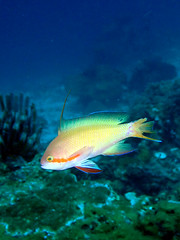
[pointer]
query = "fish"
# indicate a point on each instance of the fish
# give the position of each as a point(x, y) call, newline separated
point(99, 133)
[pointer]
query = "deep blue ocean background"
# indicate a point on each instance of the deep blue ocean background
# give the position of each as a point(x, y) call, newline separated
point(47, 46)
point(41, 41)
point(114, 55)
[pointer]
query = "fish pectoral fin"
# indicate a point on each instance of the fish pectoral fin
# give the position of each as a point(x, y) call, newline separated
point(119, 148)
point(82, 153)
point(88, 166)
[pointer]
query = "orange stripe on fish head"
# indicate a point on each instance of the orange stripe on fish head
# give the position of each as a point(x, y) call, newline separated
point(61, 160)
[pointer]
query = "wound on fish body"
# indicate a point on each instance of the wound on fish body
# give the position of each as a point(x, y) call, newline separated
point(100, 133)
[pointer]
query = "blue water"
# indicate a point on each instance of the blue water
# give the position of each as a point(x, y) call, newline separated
point(42, 40)
point(114, 55)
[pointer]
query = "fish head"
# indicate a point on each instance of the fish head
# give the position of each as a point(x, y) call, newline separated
point(48, 161)
point(53, 157)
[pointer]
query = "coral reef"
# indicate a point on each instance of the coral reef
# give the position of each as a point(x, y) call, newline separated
point(19, 130)
point(162, 221)
point(161, 102)
point(54, 205)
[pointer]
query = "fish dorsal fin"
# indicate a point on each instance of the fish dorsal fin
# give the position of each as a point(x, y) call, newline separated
point(61, 117)
point(97, 118)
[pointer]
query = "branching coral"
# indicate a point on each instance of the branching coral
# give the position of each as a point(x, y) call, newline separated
point(19, 129)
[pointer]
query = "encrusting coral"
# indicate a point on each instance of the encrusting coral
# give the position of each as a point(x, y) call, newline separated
point(19, 129)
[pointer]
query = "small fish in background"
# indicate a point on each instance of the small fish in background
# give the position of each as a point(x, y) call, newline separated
point(100, 133)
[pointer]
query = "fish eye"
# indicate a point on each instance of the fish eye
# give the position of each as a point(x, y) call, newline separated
point(49, 158)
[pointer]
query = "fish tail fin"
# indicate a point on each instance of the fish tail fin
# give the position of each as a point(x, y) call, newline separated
point(140, 127)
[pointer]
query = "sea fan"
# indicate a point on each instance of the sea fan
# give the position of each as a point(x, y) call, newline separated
point(19, 128)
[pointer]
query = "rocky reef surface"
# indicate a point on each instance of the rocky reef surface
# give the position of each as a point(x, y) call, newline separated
point(37, 204)
point(137, 196)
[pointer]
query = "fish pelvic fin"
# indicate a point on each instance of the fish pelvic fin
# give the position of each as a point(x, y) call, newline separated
point(89, 170)
point(88, 166)
point(140, 127)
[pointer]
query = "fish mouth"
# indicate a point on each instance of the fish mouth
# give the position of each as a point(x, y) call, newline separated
point(43, 166)
point(46, 166)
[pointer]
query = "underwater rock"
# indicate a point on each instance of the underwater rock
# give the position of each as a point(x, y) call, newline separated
point(161, 102)
point(149, 71)
point(19, 130)
point(143, 181)
point(98, 87)
point(162, 222)
point(131, 196)
point(155, 168)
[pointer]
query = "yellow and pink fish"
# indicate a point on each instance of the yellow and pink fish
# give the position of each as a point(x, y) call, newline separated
point(101, 133)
